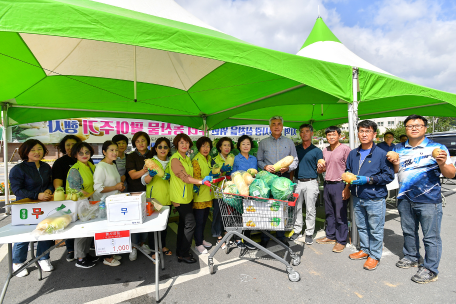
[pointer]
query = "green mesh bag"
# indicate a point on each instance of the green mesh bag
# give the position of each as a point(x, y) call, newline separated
point(282, 188)
point(232, 200)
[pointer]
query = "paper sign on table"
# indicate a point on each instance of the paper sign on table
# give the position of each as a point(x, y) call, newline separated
point(114, 242)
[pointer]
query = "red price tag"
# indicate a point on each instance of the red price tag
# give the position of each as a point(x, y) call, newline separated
point(113, 242)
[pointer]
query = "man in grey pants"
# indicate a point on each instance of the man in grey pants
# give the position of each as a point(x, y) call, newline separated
point(307, 188)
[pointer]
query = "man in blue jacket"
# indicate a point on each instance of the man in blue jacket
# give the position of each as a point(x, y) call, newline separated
point(373, 172)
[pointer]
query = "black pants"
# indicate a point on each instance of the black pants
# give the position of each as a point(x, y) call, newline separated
point(163, 233)
point(336, 213)
point(201, 216)
point(185, 230)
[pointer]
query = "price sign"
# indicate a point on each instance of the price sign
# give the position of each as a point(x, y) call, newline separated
point(114, 242)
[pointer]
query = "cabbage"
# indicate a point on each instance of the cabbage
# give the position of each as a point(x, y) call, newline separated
point(262, 174)
point(232, 200)
point(282, 188)
point(259, 188)
point(267, 177)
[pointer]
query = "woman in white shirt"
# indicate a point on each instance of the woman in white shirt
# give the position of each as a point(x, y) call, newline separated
point(106, 180)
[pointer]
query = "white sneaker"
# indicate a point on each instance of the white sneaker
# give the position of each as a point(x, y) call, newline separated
point(46, 265)
point(117, 257)
point(207, 244)
point(146, 249)
point(201, 249)
point(21, 274)
point(113, 262)
point(133, 254)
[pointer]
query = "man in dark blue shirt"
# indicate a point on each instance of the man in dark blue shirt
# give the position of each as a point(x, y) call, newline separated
point(307, 188)
point(387, 143)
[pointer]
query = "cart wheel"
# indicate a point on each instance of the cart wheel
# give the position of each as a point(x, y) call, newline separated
point(296, 260)
point(294, 276)
point(211, 268)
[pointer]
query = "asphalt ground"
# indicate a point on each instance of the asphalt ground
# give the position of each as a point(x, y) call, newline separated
point(248, 277)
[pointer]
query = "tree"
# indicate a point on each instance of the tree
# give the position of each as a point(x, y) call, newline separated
point(441, 124)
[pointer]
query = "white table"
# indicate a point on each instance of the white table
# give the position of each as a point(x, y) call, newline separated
point(155, 223)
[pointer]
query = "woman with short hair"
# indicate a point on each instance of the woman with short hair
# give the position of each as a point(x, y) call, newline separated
point(181, 195)
point(32, 179)
point(121, 161)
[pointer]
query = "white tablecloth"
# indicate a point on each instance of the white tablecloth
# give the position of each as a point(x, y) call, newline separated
point(15, 234)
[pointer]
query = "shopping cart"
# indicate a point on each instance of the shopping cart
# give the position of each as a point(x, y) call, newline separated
point(255, 213)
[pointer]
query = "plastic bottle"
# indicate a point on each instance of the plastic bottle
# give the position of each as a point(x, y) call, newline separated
point(102, 208)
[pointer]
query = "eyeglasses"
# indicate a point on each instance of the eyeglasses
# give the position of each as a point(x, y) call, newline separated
point(163, 147)
point(365, 132)
point(410, 127)
point(82, 153)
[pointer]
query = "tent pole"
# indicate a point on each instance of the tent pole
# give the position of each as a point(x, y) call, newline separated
point(134, 67)
point(352, 126)
point(5, 154)
point(205, 125)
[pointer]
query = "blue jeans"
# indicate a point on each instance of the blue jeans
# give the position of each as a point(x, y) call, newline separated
point(370, 220)
point(20, 251)
point(430, 217)
point(138, 238)
point(69, 243)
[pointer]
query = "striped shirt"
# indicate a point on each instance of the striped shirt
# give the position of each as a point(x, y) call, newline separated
point(271, 150)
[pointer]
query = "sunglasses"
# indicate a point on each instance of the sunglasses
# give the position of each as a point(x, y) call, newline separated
point(82, 153)
point(163, 147)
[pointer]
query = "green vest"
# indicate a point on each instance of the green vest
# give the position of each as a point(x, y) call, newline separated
point(219, 160)
point(86, 175)
point(158, 188)
point(205, 193)
point(181, 192)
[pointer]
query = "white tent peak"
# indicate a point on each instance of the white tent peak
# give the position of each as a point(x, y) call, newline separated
point(167, 9)
point(322, 44)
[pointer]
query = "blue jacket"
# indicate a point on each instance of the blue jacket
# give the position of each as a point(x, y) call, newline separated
point(27, 182)
point(376, 166)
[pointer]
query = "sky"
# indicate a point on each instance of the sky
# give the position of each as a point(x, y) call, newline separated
point(412, 39)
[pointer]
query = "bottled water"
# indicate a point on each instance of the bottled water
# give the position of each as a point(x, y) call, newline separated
point(102, 208)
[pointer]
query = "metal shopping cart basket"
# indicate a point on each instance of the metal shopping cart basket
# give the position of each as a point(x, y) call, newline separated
point(255, 213)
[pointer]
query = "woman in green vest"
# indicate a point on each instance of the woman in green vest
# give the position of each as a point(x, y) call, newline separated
point(202, 200)
point(181, 195)
point(158, 187)
point(80, 178)
point(224, 147)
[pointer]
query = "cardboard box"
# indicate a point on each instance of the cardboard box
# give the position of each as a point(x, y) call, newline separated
point(265, 215)
point(29, 212)
point(126, 209)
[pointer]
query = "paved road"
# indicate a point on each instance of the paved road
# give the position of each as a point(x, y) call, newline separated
point(249, 278)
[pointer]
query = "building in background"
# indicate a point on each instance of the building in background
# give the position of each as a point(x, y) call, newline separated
point(382, 123)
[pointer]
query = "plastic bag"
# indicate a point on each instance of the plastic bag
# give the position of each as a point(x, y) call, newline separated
point(282, 188)
point(54, 223)
point(87, 211)
point(262, 174)
point(233, 200)
point(258, 188)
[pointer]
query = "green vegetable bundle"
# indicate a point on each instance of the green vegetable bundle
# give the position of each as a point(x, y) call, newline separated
point(267, 177)
point(282, 188)
point(259, 188)
point(232, 200)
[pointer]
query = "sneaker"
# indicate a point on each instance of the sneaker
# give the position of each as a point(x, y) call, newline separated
point(406, 263)
point(133, 254)
point(309, 240)
point(113, 262)
point(207, 244)
point(21, 274)
point(70, 257)
point(84, 263)
point(249, 246)
point(223, 245)
point(117, 257)
point(146, 249)
point(424, 276)
point(240, 244)
point(46, 265)
point(201, 250)
point(92, 258)
point(295, 236)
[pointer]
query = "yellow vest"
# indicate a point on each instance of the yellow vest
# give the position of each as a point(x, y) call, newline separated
point(158, 188)
point(86, 175)
point(219, 160)
point(181, 192)
point(205, 192)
